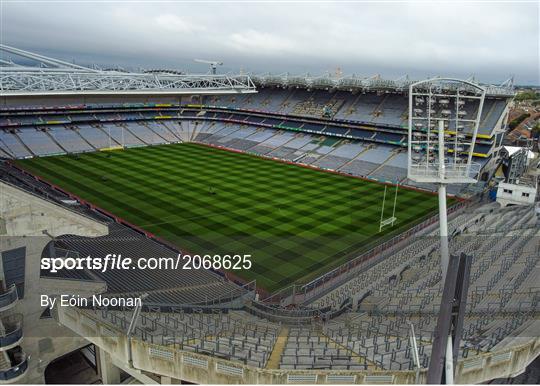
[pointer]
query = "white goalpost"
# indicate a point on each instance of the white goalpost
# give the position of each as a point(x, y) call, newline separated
point(390, 220)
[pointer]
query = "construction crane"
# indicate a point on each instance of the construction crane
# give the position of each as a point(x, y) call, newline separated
point(213, 64)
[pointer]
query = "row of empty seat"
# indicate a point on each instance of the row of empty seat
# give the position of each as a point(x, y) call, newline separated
point(26, 142)
point(374, 108)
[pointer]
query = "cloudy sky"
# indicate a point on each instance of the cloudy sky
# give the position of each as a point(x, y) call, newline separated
point(491, 40)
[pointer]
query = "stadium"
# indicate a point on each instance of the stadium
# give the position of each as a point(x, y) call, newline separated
point(296, 247)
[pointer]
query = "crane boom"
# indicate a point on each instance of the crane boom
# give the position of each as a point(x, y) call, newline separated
point(213, 64)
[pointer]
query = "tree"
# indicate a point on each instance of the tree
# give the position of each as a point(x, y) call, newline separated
point(536, 130)
point(516, 121)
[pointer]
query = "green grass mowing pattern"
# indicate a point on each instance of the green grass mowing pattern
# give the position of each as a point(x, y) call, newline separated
point(295, 222)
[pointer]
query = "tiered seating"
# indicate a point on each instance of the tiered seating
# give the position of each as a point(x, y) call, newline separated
point(491, 267)
point(309, 349)
point(168, 286)
point(394, 170)
point(491, 112)
point(314, 104)
point(360, 108)
point(144, 133)
point(162, 129)
point(283, 152)
point(367, 161)
point(122, 136)
point(12, 145)
point(392, 110)
point(70, 139)
point(371, 107)
point(39, 142)
point(331, 162)
point(97, 137)
point(280, 138)
point(406, 287)
point(235, 335)
point(349, 150)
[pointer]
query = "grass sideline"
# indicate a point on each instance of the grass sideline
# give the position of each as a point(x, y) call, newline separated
point(294, 221)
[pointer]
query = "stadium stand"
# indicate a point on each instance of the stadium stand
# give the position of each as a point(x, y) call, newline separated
point(69, 139)
point(163, 130)
point(362, 138)
point(39, 142)
point(379, 303)
point(96, 136)
point(13, 145)
point(359, 322)
point(144, 134)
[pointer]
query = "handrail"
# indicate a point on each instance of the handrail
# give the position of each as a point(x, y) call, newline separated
point(16, 370)
point(310, 290)
point(13, 330)
point(9, 297)
point(11, 323)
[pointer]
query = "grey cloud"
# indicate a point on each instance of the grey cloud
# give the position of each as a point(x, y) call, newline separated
point(490, 40)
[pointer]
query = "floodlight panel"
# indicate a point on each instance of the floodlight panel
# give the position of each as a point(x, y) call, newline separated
point(444, 115)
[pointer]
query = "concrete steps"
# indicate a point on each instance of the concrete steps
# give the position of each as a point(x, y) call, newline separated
point(23, 144)
point(5, 363)
point(279, 348)
point(133, 134)
point(393, 155)
point(56, 142)
point(76, 130)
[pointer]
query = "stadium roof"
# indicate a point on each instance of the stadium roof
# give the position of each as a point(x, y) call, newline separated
point(56, 77)
point(358, 83)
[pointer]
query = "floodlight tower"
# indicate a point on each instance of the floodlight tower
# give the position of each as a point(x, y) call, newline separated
point(444, 115)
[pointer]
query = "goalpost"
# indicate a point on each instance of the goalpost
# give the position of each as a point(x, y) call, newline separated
point(112, 147)
point(390, 220)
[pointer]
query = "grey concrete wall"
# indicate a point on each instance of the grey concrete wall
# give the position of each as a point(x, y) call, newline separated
point(173, 363)
point(27, 217)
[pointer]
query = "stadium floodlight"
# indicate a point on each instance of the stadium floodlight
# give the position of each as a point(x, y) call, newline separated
point(444, 115)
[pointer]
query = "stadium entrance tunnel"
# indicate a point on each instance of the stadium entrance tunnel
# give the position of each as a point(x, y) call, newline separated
point(74, 367)
point(78, 367)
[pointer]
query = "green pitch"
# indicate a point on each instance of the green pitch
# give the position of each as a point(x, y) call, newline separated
point(295, 222)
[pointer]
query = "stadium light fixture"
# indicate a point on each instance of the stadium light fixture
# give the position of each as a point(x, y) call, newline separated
point(444, 115)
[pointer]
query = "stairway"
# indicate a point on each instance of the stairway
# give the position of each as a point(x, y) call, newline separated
point(142, 123)
point(5, 363)
point(6, 152)
point(383, 163)
point(357, 356)
point(24, 144)
point(55, 141)
point(76, 130)
point(279, 348)
point(356, 157)
point(133, 134)
point(378, 109)
point(106, 132)
point(175, 132)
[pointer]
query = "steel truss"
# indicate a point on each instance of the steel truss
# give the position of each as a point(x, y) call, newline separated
point(55, 77)
point(354, 83)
